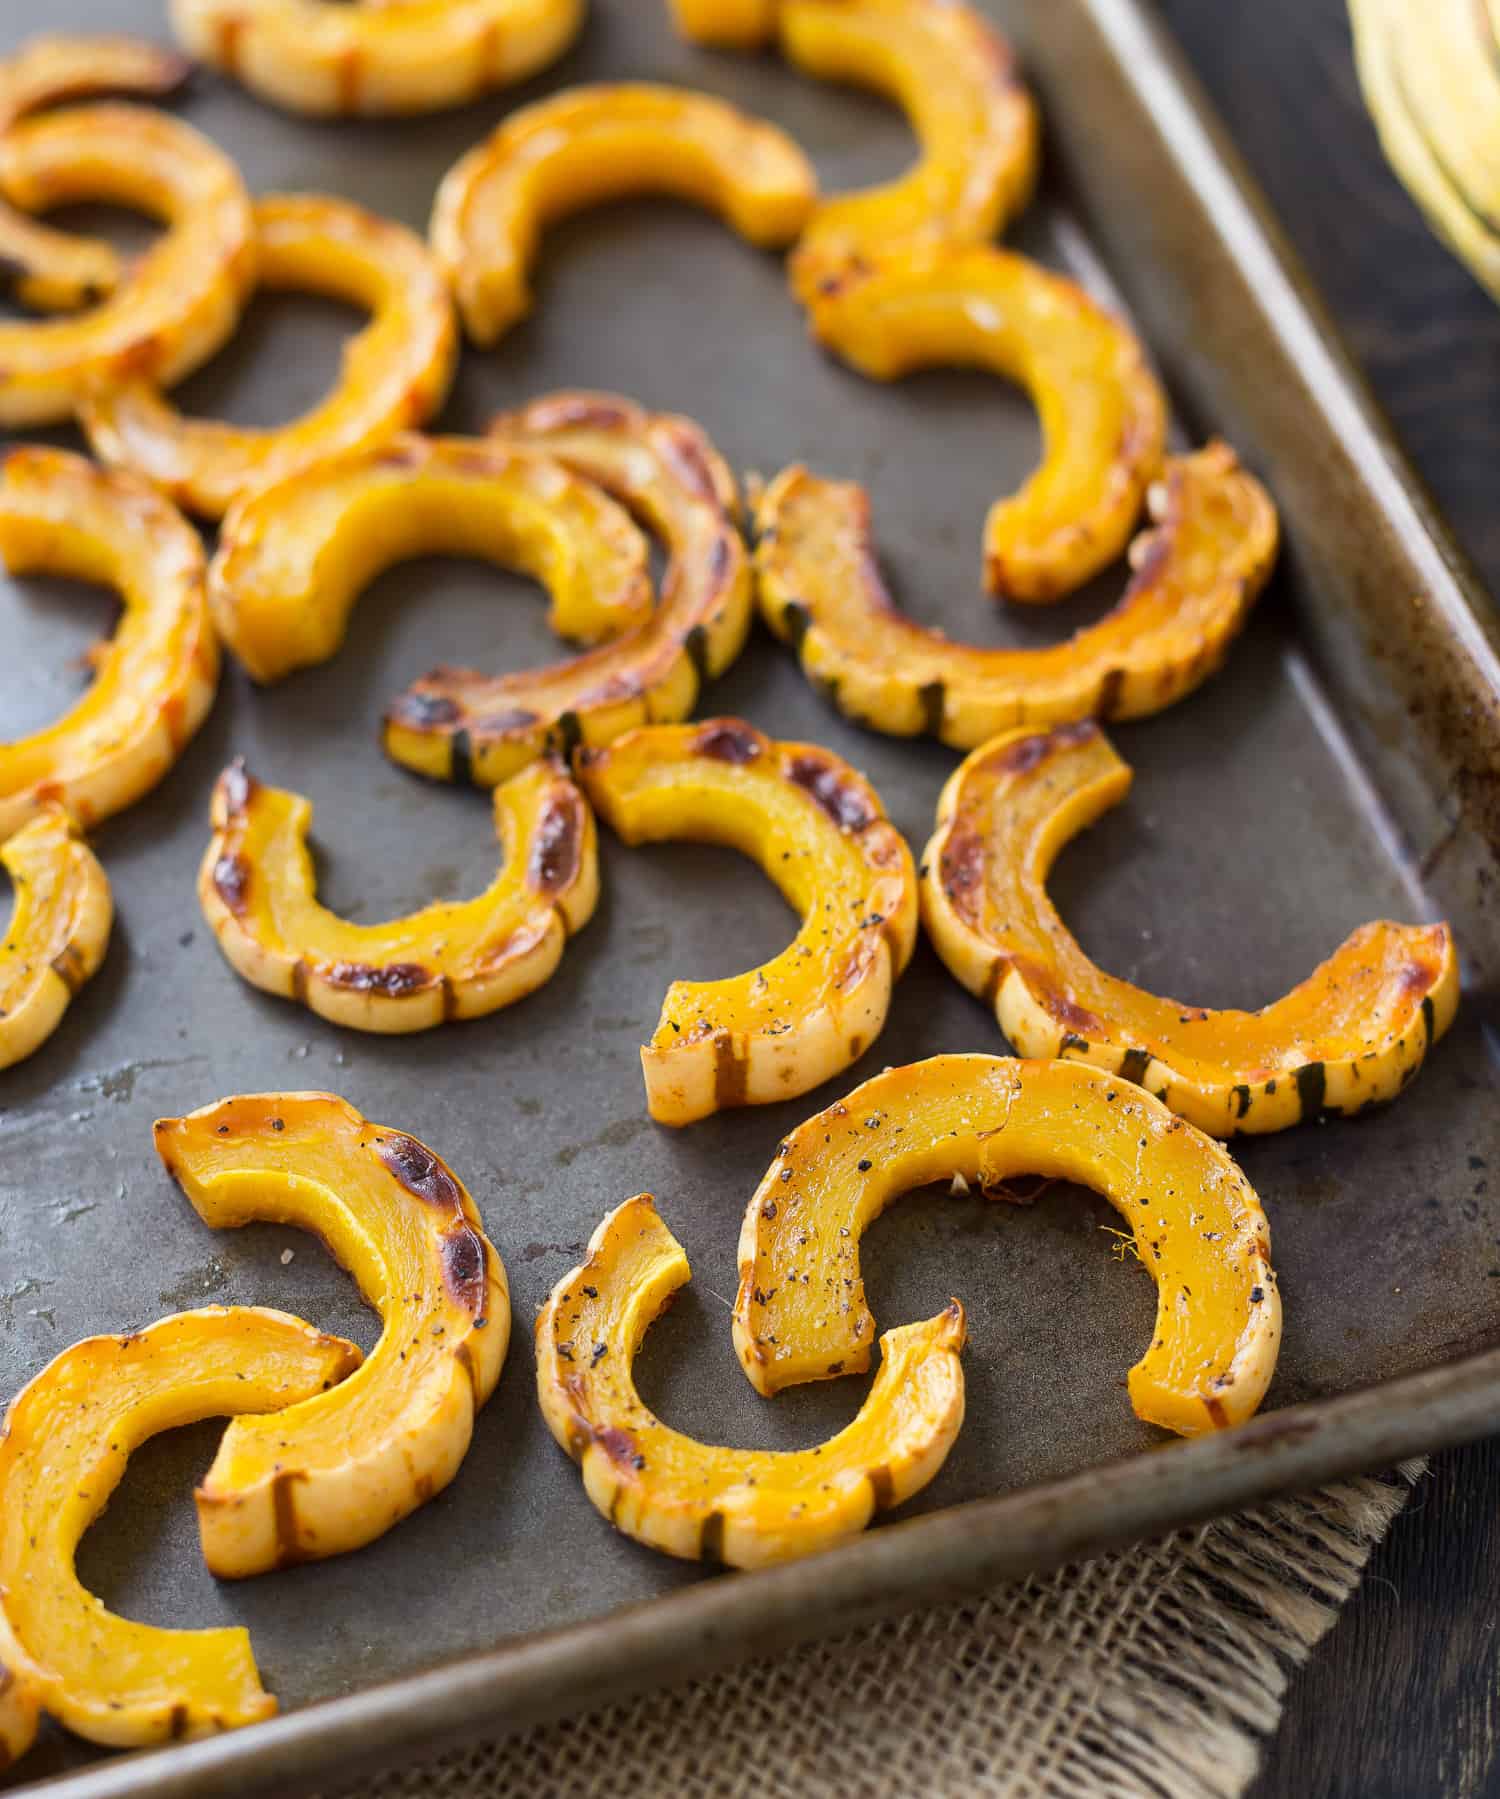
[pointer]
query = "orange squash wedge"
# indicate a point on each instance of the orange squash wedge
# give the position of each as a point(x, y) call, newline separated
point(337, 1470)
point(396, 372)
point(1196, 576)
point(258, 890)
point(1103, 414)
point(1351, 1035)
point(819, 831)
point(64, 1447)
point(800, 1313)
point(742, 1507)
point(587, 145)
point(58, 931)
point(154, 681)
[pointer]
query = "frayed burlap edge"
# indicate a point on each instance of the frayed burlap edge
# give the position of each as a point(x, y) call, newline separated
point(1156, 1671)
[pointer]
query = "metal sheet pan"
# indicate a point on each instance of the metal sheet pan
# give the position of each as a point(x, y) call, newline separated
point(1342, 767)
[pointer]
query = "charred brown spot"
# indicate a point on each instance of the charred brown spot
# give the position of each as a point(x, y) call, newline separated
point(236, 788)
point(464, 1356)
point(835, 790)
point(719, 558)
point(423, 711)
point(177, 1723)
point(711, 1543)
point(883, 1487)
point(284, 1519)
point(686, 460)
point(465, 1266)
point(1215, 1409)
point(1026, 753)
point(1416, 978)
point(232, 883)
point(421, 1172)
point(729, 741)
point(395, 980)
point(67, 965)
point(620, 1446)
point(556, 849)
point(405, 453)
point(229, 33)
point(504, 724)
point(577, 411)
point(961, 867)
point(731, 1084)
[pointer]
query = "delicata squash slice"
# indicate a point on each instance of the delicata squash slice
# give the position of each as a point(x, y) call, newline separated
point(64, 1447)
point(258, 890)
point(1198, 1228)
point(338, 1469)
point(154, 680)
point(819, 831)
point(743, 1507)
point(1102, 411)
point(1196, 575)
point(395, 373)
point(1353, 1033)
point(58, 931)
point(587, 145)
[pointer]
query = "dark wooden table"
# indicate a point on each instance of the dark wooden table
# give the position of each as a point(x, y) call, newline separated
point(1402, 1698)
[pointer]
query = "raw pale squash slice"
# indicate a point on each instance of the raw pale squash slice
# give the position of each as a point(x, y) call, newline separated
point(1196, 576)
point(66, 1441)
point(800, 1313)
point(20, 1704)
point(58, 931)
point(376, 56)
point(339, 1469)
point(181, 300)
point(395, 373)
point(1353, 1033)
point(1103, 414)
point(743, 1507)
point(295, 556)
point(154, 680)
point(587, 145)
point(258, 890)
point(819, 831)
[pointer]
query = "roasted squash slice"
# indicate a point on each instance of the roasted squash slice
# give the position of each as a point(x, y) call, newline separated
point(183, 298)
point(457, 724)
point(20, 1704)
point(587, 145)
point(339, 1469)
point(800, 1314)
point(258, 890)
point(1196, 576)
point(743, 1507)
point(154, 680)
point(1352, 1034)
point(726, 24)
point(66, 1440)
point(49, 270)
point(1103, 414)
point(819, 831)
point(395, 374)
point(295, 556)
point(58, 931)
point(376, 56)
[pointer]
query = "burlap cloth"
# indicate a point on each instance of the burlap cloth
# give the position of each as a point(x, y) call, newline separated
point(1156, 1671)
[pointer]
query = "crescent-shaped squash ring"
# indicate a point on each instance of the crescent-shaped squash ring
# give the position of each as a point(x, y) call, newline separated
point(587, 145)
point(154, 680)
point(1353, 1033)
point(183, 298)
point(49, 270)
point(295, 556)
point(800, 1313)
point(58, 931)
point(1103, 414)
point(258, 890)
point(376, 57)
point(396, 372)
point(65, 1444)
point(456, 724)
point(819, 831)
point(341, 1468)
point(743, 1507)
point(1196, 576)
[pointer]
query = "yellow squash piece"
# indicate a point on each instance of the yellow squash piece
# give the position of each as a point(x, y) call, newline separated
point(819, 831)
point(395, 373)
point(1198, 1228)
point(1196, 576)
point(258, 890)
point(1103, 414)
point(1352, 1034)
point(376, 56)
point(66, 1441)
point(458, 724)
point(20, 1705)
point(743, 1507)
point(587, 145)
point(182, 299)
point(338, 1470)
point(726, 24)
point(58, 931)
point(294, 557)
point(154, 680)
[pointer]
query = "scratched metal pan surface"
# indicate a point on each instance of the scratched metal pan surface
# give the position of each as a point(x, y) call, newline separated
point(1340, 769)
